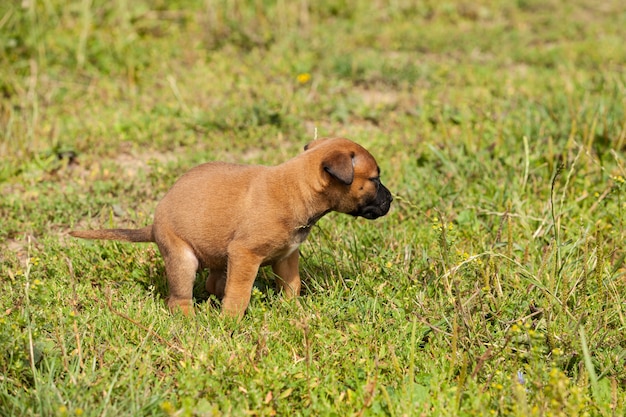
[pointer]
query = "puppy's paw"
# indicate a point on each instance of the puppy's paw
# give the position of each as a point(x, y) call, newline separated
point(181, 306)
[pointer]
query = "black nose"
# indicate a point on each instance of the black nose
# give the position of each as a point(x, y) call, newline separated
point(377, 207)
point(386, 197)
point(381, 205)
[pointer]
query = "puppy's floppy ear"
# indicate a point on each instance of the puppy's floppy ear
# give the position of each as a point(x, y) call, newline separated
point(341, 166)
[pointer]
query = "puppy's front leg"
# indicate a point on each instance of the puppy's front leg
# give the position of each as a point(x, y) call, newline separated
point(215, 282)
point(288, 272)
point(243, 266)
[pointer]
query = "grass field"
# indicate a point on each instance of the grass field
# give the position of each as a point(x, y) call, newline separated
point(496, 285)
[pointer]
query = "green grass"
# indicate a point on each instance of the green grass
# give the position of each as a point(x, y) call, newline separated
point(495, 286)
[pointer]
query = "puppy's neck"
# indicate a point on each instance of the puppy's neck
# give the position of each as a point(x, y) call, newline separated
point(311, 222)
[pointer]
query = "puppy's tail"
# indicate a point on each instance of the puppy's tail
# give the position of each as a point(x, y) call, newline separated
point(128, 235)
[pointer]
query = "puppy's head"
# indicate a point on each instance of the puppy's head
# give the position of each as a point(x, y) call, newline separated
point(351, 178)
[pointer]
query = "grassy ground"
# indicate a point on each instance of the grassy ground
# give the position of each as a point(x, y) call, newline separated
point(495, 286)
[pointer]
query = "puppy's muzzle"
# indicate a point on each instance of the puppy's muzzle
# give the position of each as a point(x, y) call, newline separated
point(377, 207)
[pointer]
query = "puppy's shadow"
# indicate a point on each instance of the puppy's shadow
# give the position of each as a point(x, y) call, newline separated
point(155, 281)
point(315, 275)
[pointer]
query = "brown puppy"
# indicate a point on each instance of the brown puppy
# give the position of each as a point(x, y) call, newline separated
point(232, 219)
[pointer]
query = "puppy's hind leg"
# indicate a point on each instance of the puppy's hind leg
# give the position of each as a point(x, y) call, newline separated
point(181, 266)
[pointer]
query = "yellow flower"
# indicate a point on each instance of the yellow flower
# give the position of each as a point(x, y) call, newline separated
point(554, 373)
point(167, 407)
point(303, 78)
